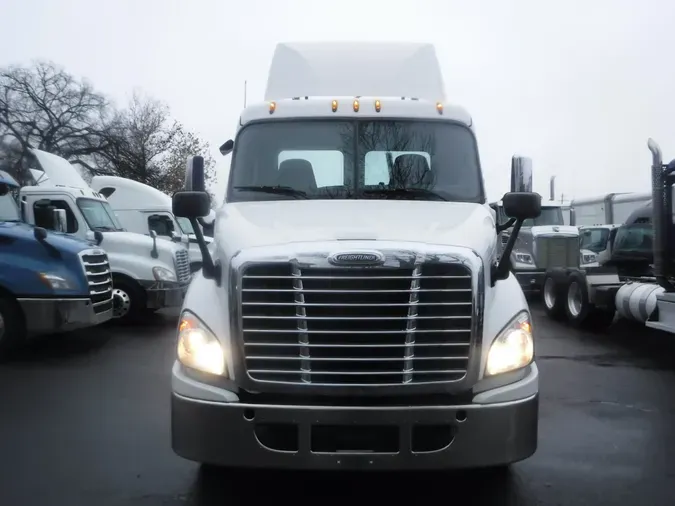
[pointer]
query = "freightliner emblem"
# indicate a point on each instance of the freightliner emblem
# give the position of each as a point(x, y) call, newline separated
point(356, 258)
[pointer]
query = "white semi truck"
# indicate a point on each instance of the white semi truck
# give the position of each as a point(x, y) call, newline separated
point(147, 274)
point(352, 312)
point(143, 209)
point(636, 279)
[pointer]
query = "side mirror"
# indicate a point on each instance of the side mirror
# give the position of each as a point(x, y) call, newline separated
point(40, 233)
point(521, 174)
point(194, 205)
point(522, 205)
point(94, 236)
point(227, 148)
point(573, 217)
point(60, 221)
point(191, 205)
point(176, 237)
point(194, 175)
point(153, 234)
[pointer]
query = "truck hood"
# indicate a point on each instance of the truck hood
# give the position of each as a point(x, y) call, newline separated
point(136, 241)
point(250, 224)
point(23, 232)
point(553, 230)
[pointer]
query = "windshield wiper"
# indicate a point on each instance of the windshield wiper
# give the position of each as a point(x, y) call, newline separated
point(280, 190)
point(412, 192)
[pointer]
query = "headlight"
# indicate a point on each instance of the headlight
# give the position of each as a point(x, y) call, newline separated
point(55, 282)
point(198, 348)
point(523, 258)
point(513, 349)
point(163, 274)
point(589, 258)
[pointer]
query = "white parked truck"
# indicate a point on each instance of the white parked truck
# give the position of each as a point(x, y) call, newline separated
point(636, 280)
point(143, 209)
point(147, 274)
point(351, 312)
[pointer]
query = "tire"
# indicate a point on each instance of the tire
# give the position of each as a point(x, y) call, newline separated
point(129, 301)
point(12, 325)
point(553, 295)
point(580, 312)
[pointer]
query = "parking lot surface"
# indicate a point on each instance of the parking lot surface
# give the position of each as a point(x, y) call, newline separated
point(85, 421)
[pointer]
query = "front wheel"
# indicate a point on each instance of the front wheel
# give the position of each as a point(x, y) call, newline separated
point(553, 294)
point(128, 301)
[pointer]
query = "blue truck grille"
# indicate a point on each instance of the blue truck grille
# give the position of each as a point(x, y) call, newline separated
point(357, 326)
point(99, 278)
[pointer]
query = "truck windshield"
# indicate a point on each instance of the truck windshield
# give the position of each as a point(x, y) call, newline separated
point(99, 215)
point(634, 239)
point(548, 216)
point(9, 211)
point(365, 159)
point(594, 239)
point(185, 225)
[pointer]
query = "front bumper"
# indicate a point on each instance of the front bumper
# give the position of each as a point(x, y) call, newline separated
point(47, 316)
point(163, 294)
point(530, 280)
point(361, 438)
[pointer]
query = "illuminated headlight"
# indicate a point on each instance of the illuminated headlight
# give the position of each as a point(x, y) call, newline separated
point(589, 258)
point(198, 348)
point(163, 274)
point(55, 282)
point(523, 258)
point(513, 349)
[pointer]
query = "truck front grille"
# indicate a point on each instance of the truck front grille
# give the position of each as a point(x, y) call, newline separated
point(557, 251)
point(99, 278)
point(183, 265)
point(357, 325)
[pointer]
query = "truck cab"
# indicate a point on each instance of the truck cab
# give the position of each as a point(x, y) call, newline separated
point(143, 209)
point(351, 312)
point(148, 274)
point(49, 282)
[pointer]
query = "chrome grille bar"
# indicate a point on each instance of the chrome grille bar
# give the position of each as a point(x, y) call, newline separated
point(99, 279)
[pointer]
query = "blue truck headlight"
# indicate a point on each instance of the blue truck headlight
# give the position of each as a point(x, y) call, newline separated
point(514, 347)
point(198, 348)
point(56, 282)
point(163, 274)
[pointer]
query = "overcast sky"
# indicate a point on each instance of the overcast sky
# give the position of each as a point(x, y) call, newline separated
point(577, 85)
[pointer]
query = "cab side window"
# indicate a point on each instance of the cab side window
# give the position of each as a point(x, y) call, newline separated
point(161, 224)
point(42, 210)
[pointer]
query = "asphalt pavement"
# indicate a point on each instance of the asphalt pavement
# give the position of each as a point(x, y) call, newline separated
point(84, 420)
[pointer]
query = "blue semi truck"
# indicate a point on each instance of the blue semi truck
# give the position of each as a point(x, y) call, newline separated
point(49, 282)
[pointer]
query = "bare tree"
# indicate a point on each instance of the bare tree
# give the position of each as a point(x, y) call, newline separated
point(44, 107)
point(173, 164)
point(143, 143)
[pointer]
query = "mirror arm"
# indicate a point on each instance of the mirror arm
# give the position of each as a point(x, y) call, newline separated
point(505, 226)
point(209, 269)
point(501, 270)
